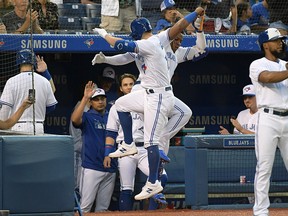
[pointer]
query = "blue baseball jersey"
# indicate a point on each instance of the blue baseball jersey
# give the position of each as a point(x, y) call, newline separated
point(94, 132)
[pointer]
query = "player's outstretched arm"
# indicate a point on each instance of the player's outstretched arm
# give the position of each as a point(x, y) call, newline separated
point(10, 122)
point(109, 38)
point(76, 116)
point(120, 59)
point(184, 22)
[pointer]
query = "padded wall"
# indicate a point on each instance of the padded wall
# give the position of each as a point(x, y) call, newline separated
point(37, 174)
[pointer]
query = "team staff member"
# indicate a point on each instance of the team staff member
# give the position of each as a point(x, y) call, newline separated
point(17, 89)
point(157, 91)
point(96, 181)
point(269, 77)
point(246, 119)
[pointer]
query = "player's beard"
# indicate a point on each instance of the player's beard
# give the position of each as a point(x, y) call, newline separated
point(281, 54)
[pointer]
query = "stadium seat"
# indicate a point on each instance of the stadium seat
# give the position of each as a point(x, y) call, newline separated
point(93, 10)
point(72, 10)
point(70, 23)
point(150, 5)
point(152, 15)
point(71, 1)
point(88, 23)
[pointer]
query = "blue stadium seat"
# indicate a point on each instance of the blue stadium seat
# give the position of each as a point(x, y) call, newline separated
point(93, 10)
point(150, 5)
point(70, 23)
point(153, 16)
point(72, 10)
point(88, 23)
point(71, 1)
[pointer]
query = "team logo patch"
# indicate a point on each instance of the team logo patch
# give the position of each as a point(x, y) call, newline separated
point(89, 42)
point(1, 42)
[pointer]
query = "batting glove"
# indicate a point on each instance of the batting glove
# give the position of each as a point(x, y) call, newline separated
point(198, 24)
point(101, 32)
point(98, 59)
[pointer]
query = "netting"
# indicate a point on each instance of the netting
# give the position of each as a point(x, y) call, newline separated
point(222, 16)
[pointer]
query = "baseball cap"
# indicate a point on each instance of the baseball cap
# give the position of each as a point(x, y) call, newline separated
point(270, 34)
point(166, 4)
point(248, 90)
point(98, 92)
point(278, 25)
point(109, 72)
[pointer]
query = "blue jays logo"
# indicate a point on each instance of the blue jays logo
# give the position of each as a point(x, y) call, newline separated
point(144, 67)
point(1, 42)
point(89, 42)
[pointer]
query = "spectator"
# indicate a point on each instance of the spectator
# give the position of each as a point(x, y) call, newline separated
point(170, 15)
point(21, 20)
point(244, 13)
point(2, 28)
point(111, 18)
point(16, 90)
point(260, 17)
point(107, 82)
point(97, 182)
point(246, 119)
point(48, 14)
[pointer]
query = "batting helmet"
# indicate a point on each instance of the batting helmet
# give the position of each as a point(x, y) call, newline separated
point(26, 56)
point(270, 34)
point(138, 27)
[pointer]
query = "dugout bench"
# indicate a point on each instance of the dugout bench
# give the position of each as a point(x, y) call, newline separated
point(214, 164)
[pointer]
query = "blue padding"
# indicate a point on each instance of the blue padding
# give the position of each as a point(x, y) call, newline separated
point(175, 169)
point(37, 173)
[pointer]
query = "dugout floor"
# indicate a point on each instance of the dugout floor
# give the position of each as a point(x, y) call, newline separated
point(188, 212)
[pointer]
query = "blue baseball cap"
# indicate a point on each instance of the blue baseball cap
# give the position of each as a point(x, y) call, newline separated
point(270, 34)
point(166, 4)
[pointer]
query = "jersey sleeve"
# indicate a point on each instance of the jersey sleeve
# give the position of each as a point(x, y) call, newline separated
point(255, 69)
point(6, 101)
point(113, 122)
point(120, 59)
point(51, 100)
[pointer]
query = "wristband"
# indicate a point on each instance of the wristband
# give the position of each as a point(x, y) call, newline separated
point(191, 17)
point(46, 74)
point(109, 149)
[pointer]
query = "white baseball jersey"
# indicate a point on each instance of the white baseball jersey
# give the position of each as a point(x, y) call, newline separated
point(16, 91)
point(246, 120)
point(271, 130)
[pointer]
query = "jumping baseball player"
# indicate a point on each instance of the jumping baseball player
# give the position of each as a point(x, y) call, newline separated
point(156, 100)
point(17, 89)
point(127, 165)
point(181, 113)
point(269, 76)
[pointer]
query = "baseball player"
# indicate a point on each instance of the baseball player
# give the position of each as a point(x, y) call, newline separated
point(246, 120)
point(127, 165)
point(156, 99)
point(181, 113)
point(96, 181)
point(17, 89)
point(269, 76)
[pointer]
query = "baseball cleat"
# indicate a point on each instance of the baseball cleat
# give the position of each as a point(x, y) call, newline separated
point(149, 190)
point(163, 157)
point(160, 198)
point(124, 150)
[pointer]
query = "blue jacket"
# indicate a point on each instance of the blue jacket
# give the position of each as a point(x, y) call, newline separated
point(94, 132)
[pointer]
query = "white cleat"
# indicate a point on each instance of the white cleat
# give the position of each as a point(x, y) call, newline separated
point(124, 150)
point(149, 190)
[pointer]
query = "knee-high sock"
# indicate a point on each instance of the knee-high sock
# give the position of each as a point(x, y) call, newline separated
point(125, 200)
point(126, 123)
point(153, 160)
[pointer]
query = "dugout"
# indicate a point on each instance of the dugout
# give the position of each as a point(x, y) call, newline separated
point(37, 175)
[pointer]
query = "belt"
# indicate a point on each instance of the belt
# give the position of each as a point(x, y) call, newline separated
point(139, 144)
point(275, 112)
point(39, 122)
point(158, 90)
